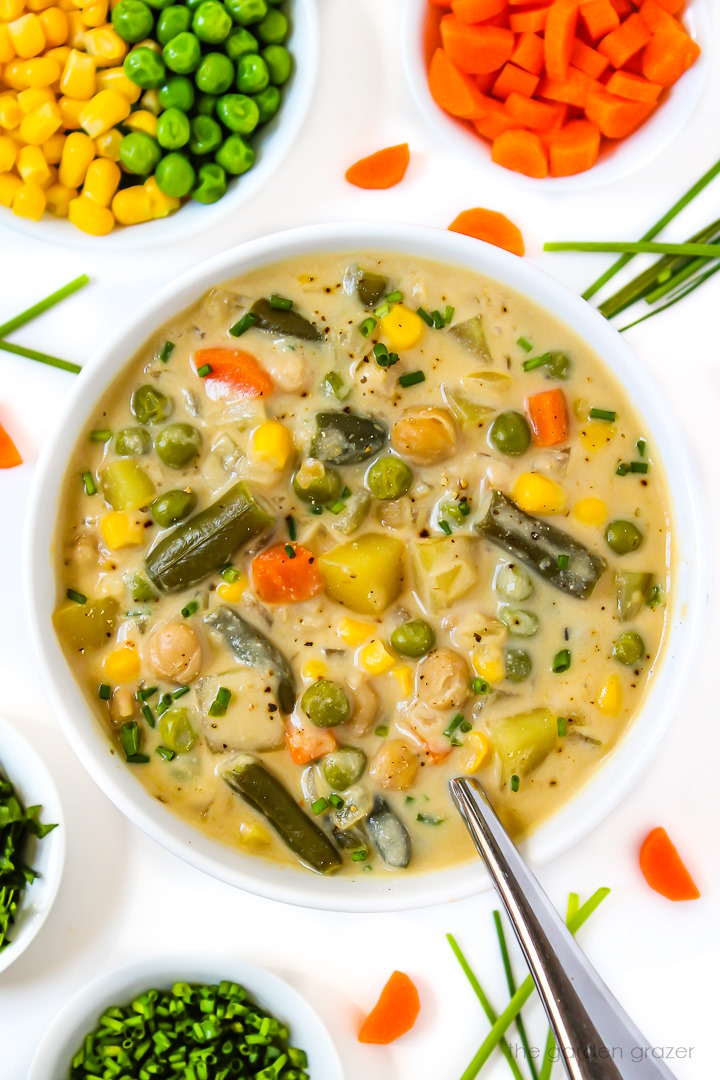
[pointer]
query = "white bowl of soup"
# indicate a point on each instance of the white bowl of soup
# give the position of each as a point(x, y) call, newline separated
point(346, 512)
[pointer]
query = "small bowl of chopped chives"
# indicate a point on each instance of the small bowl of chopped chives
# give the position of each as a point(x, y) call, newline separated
point(199, 1015)
point(32, 847)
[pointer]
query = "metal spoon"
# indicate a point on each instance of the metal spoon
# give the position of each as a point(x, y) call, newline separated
point(596, 1038)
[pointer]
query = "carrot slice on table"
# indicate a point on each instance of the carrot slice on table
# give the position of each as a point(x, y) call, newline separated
point(233, 374)
point(490, 226)
point(452, 89)
point(663, 868)
point(395, 1013)
point(573, 89)
point(529, 53)
point(476, 49)
point(521, 151)
point(532, 20)
point(615, 116)
point(383, 169)
point(529, 113)
point(9, 456)
point(514, 79)
point(286, 573)
point(560, 37)
point(548, 417)
point(599, 17)
point(309, 743)
point(573, 149)
point(633, 87)
point(475, 11)
point(668, 55)
point(588, 60)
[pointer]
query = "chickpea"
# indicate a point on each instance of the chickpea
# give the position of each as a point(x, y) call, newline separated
point(395, 765)
point(425, 436)
point(288, 371)
point(443, 680)
point(174, 652)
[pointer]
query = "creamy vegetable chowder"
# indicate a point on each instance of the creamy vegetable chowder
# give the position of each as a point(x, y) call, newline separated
point(347, 528)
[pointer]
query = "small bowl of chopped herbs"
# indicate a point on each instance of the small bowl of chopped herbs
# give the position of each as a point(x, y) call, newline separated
point(194, 1015)
point(32, 846)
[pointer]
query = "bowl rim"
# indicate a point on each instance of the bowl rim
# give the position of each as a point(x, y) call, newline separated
point(34, 909)
point(630, 155)
point(279, 138)
point(66, 1030)
point(624, 765)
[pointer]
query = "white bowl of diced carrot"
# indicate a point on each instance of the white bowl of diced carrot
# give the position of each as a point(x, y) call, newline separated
point(579, 92)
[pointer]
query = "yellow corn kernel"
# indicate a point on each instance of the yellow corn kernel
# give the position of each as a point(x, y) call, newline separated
point(114, 78)
point(272, 444)
point(151, 101)
point(78, 77)
point(478, 749)
point(29, 202)
point(38, 6)
point(37, 127)
point(353, 632)
point(122, 664)
point(132, 206)
point(78, 152)
point(142, 120)
point(231, 591)
point(253, 836)
point(89, 217)
point(60, 55)
point(162, 204)
point(313, 670)
point(26, 34)
point(106, 45)
point(70, 109)
point(33, 98)
point(610, 696)
point(95, 14)
point(538, 494)
point(120, 530)
point(596, 434)
point(52, 148)
point(10, 112)
point(32, 166)
point(67, 5)
point(7, 49)
point(590, 511)
point(103, 112)
point(55, 26)
point(488, 663)
point(58, 199)
point(404, 675)
point(8, 153)
point(101, 181)
point(375, 659)
point(107, 145)
point(11, 9)
point(402, 328)
point(9, 185)
point(42, 71)
point(76, 30)
point(14, 75)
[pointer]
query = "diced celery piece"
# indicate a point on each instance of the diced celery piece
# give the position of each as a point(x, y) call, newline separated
point(444, 570)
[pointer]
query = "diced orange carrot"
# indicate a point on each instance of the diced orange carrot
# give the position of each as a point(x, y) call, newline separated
point(664, 870)
point(629, 38)
point(657, 17)
point(9, 455)
point(588, 60)
point(476, 49)
point(623, 8)
point(513, 78)
point(668, 55)
point(485, 82)
point(306, 742)
point(495, 120)
point(234, 374)
point(383, 169)
point(286, 573)
point(522, 151)
point(615, 116)
point(560, 37)
point(599, 17)
point(441, 3)
point(548, 416)
point(533, 20)
point(475, 11)
point(673, 6)
point(529, 113)
point(633, 87)
point(397, 1010)
point(529, 53)
point(490, 226)
point(573, 149)
point(452, 89)
point(573, 89)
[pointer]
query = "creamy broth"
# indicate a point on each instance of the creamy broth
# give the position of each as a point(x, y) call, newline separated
point(528, 678)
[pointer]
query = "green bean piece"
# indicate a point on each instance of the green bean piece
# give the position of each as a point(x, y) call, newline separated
point(178, 445)
point(513, 582)
point(133, 20)
point(510, 433)
point(414, 638)
point(287, 323)
point(518, 665)
point(133, 442)
point(357, 508)
point(172, 506)
point(389, 478)
point(326, 704)
point(320, 489)
point(369, 287)
point(629, 648)
point(347, 438)
point(150, 406)
point(176, 730)
point(343, 767)
point(471, 335)
point(144, 68)
point(520, 623)
point(623, 537)
point(254, 649)
point(139, 588)
point(633, 590)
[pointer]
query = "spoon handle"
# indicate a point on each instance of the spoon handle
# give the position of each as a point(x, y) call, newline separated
point(596, 1038)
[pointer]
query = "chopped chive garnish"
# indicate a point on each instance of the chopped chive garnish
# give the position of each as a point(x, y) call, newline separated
point(130, 736)
point(465, 727)
point(104, 691)
point(146, 692)
point(452, 727)
point(449, 312)
point(43, 305)
point(425, 316)
point(563, 562)
point(148, 714)
point(380, 350)
point(603, 414)
point(656, 596)
point(639, 466)
point(336, 506)
point(429, 819)
point(412, 378)
point(367, 326)
point(319, 806)
point(345, 493)
point(409, 800)
point(561, 661)
point(394, 297)
point(89, 483)
point(138, 759)
point(464, 507)
point(641, 445)
point(291, 527)
point(230, 574)
point(190, 609)
point(382, 310)
point(165, 753)
point(181, 690)
point(204, 371)
point(101, 435)
point(337, 801)
point(525, 344)
point(75, 596)
point(536, 362)
point(290, 551)
point(514, 782)
point(360, 855)
point(382, 730)
point(480, 686)
point(167, 351)
point(623, 469)
point(561, 726)
point(437, 318)
point(245, 323)
point(384, 358)
point(445, 527)
point(220, 704)
point(164, 704)
point(280, 303)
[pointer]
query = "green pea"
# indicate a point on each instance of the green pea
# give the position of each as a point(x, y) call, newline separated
point(206, 105)
point(205, 135)
point(559, 366)
point(389, 478)
point(510, 433)
point(326, 703)
point(247, 12)
point(623, 537)
point(344, 767)
point(175, 176)
point(173, 20)
point(173, 129)
point(518, 665)
point(318, 489)
point(273, 29)
point(158, 5)
point(144, 68)
point(513, 582)
point(235, 156)
point(176, 731)
point(150, 406)
point(182, 53)
point(139, 153)
point(238, 113)
point(252, 74)
point(211, 185)
point(268, 103)
point(520, 623)
point(211, 22)
point(629, 648)
point(172, 506)
point(215, 73)
point(279, 63)
point(133, 20)
point(240, 42)
point(177, 93)
point(414, 638)
point(132, 442)
point(178, 444)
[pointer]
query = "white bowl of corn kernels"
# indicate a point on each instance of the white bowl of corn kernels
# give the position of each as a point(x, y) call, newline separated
point(32, 198)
